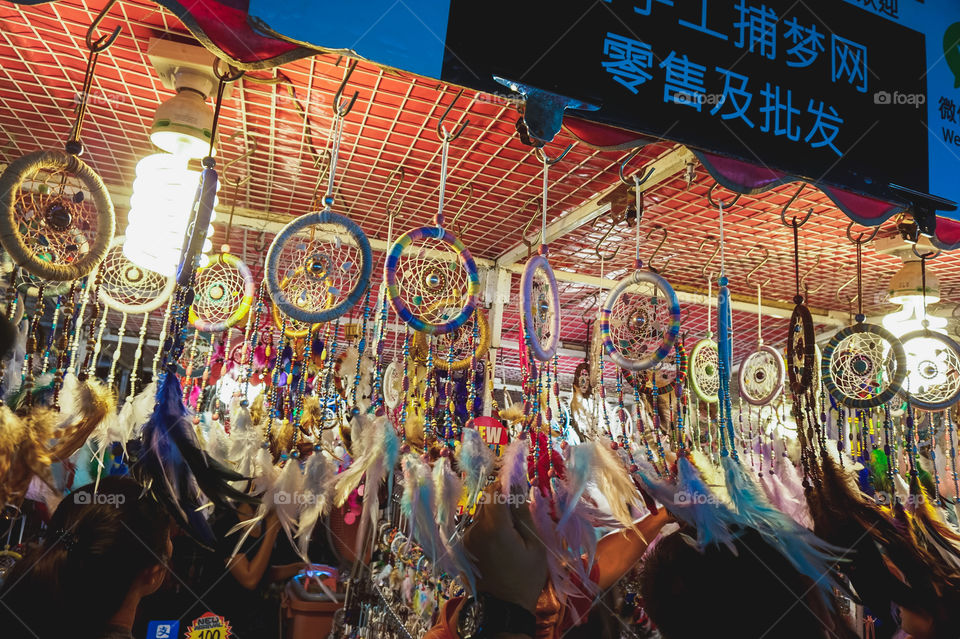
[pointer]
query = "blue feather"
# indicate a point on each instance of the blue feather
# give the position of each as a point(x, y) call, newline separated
point(702, 508)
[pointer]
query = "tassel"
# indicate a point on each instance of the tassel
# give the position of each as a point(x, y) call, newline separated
point(287, 498)
point(265, 483)
point(475, 460)
point(449, 491)
point(318, 482)
point(176, 471)
point(701, 508)
point(418, 505)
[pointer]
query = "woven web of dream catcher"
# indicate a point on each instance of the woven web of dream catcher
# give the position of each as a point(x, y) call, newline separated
point(934, 367)
point(55, 216)
point(761, 375)
point(459, 339)
point(432, 283)
point(639, 320)
point(125, 285)
point(862, 366)
point(196, 353)
point(320, 267)
point(541, 307)
point(219, 292)
point(705, 366)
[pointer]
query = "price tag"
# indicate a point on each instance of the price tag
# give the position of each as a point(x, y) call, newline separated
point(209, 626)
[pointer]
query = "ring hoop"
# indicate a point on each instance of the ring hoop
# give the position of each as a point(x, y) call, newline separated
point(630, 329)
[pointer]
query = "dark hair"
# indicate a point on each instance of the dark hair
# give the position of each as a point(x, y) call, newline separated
point(97, 544)
point(756, 593)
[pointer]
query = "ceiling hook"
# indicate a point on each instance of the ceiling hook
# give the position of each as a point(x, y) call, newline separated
point(634, 180)
point(930, 255)
point(716, 251)
point(860, 239)
point(549, 160)
point(753, 271)
point(442, 133)
point(523, 234)
point(588, 309)
point(717, 205)
point(104, 42)
point(401, 172)
point(845, 285)
point(596, 248)
point(251, 148)
point(786, 207)
point(656, 250)
point(803, 280)
point(232, 74)
point(342, 108)
point(466, 201)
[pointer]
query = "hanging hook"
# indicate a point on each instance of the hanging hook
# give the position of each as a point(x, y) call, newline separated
point(753, 271)
point(104, 42)
point(588, 310)
point(653, 255)
point(845, 285)
point(442, 133)
point(403, 175)
point(232, 74)
point(633, 180)
point(716, 251)
point(860, 239)
point(930, 255)
point(342, 108)
point(786, 207)
point(466, 201)
point(803, 278)
point(248, 152)
point(549, 160)
point(717, 205)
point(523, 234)
point(596, 248)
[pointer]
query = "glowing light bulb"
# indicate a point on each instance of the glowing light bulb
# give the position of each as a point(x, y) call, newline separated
point(160, 209)
point(927, 363)
point(910, 317)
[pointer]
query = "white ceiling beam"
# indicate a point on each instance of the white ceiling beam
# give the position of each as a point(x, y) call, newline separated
point(665, 167)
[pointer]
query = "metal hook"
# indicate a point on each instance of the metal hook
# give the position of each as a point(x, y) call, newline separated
point(596, 248)
point(713, 202)
point(845, 285)
point(930, 255)
point(803, 278)
point(753, 271)
point(341, 109)
point(786, 207)
point(403, 175)
point(442, 133)
point(633, 180)
point(232, 74)
point(716, 251)
point(104, 42)
point(466, 201)
point(860, 239)
point(588, 310)
point(656, 250)
point(547, 159)
point(523, 234)
point(250, 150)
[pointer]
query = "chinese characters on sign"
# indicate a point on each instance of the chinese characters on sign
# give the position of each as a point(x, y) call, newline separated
point(777, 110)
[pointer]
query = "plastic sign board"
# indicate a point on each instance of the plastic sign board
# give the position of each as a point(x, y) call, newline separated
point(163, 630)
point(857, 94)
point(209, 626)
point(493, 432)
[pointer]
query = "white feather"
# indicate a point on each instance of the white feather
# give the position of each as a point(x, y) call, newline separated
point(318, 482)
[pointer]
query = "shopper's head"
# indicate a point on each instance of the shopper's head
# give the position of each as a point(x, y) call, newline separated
point(755, 593)
point(102, 550)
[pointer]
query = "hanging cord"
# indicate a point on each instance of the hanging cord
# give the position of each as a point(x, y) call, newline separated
point(543, 216)
point(759, 315)
point(638, 201)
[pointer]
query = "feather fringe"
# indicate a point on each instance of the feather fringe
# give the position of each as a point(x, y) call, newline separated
point(318, 482)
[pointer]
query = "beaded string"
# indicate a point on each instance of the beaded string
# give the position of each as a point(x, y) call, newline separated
point(361, 347)
point(13, 300)
point(330, 354)
point(117, 352)
point(641, 428)
point(429, 400)
point(933, 455)
point(50, 335)
point(188, 374)
point(448, 398)
point(207, 365)
point(135, 369)
point(656, 421)
point(274, 403)
point(951, 432)
point(252, 337)
point(86, 292)
point(27, 372)
point(406, 382)
point(63, 347)
point(472, 370)
point(378, 402)
point(298, 403)
point(161, 345)
point(95, 351)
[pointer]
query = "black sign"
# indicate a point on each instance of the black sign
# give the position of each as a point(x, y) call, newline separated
point(820, 89)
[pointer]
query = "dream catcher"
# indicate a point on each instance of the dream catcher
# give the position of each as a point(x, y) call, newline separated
point(56, 217)
point(704, 362)
point(539, 296)
point(640, 319)
point(803, 363)
point(933, 361)
point(392, 385)
point(128, 289)
point(432, 281)
point(762, 370)
point(319, 265)
point(458, 349)
point(223, 294)
point(667, 377)
point(863, 365)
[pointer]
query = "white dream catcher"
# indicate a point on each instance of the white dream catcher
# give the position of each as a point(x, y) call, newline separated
point(762, 371)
